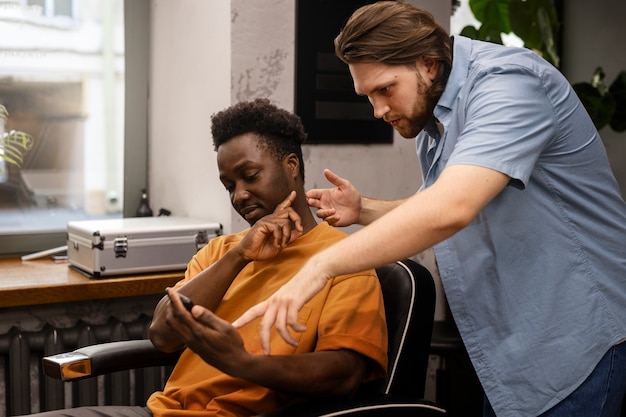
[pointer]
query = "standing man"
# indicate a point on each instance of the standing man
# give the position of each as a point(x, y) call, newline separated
point(518, 201)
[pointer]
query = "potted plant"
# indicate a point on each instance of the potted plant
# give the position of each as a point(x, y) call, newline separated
point(536, 23)
point(13, 144)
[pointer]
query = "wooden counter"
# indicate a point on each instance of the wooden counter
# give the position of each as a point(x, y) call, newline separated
point(44, 281)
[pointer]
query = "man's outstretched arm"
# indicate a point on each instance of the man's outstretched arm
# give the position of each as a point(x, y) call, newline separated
point(425, 219)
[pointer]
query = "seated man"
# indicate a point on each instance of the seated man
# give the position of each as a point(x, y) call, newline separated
point(224, 370)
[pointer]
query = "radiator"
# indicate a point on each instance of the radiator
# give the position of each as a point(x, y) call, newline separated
point(29, 334)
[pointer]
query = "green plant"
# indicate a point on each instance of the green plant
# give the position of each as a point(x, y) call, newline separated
point(606, 106)
point(537, 24)
point(13, 144)
point(534, 21)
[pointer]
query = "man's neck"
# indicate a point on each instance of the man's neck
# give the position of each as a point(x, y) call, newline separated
point(302, 208)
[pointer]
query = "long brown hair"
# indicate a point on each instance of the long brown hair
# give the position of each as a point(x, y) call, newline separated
point(395, 33)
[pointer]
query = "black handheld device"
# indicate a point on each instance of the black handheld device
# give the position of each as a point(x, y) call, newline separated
point(186, 301)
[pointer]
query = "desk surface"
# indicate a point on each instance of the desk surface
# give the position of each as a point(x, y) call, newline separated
point(44, 281)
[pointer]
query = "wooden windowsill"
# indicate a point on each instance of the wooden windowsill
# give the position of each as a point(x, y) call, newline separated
point(44, 281)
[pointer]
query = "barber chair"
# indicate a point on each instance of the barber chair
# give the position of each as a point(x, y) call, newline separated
point(409, 296)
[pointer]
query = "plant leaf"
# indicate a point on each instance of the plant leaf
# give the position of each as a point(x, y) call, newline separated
point(21, 139)
point(492, 12)
point(600, 107)
point(470, 32)
point(536, 23)
point(13, 146)
point(490, 32)
point(524, 24)
point(12, 156)
point(547, 36)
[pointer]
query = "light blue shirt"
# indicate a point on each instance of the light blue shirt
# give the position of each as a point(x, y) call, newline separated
point(537, 282)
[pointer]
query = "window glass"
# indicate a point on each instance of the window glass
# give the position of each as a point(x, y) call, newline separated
point(62, 83)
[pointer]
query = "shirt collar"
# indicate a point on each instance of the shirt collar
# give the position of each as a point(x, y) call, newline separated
point(462, 48)
point(431, 128)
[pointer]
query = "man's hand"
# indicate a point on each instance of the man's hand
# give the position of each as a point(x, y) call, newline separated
point(269, 235)
point(340, 206)
point(281, 309)
point(215, 340)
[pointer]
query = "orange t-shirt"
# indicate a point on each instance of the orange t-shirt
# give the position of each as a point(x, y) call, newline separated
point(347, 314)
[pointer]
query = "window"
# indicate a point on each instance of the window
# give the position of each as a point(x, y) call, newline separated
point(51, 8)
point(64, 82)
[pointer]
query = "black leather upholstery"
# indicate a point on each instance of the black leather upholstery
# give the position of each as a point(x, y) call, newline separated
point(409, 293)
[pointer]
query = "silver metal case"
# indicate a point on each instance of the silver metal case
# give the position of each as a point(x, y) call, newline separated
point(136, 245)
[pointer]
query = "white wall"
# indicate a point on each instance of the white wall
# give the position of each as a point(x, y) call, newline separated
point(189, 80)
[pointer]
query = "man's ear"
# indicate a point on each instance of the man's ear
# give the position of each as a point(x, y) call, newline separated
point(293, 164)
point(428, 67)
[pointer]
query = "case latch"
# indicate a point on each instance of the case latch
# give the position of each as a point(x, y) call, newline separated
point(120, 247)
point(202, 238)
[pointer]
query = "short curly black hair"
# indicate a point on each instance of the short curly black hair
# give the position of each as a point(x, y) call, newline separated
point(280, 130)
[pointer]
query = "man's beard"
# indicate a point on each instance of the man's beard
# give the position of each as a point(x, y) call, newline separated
point(422, 111)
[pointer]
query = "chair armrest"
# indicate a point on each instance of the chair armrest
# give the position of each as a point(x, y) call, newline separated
point(105, 358)
point(387, 408)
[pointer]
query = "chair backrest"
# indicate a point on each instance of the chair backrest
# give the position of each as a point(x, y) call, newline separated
point(409, 296)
